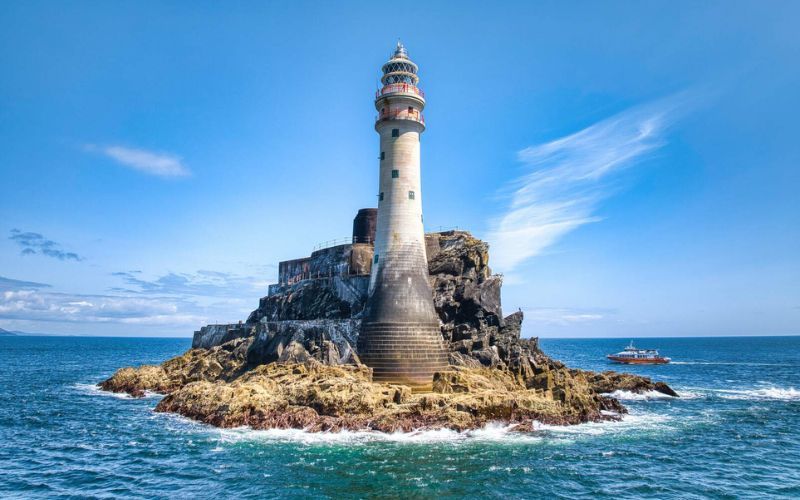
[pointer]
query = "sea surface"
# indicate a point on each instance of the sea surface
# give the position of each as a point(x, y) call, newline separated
point(734, 433)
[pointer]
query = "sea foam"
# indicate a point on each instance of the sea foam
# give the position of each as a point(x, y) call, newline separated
point(635, 396)
point(683, 394)
point(493, 433)
point(630, 422)
point(95, 390)
point(761, 394)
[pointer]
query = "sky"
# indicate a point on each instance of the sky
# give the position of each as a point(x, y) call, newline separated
point(633, 165)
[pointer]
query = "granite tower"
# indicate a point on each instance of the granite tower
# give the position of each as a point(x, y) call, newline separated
point(400, 338)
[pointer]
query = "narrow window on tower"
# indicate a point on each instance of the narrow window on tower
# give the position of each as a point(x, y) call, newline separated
point(375, 260)
point(395, 132)
point(411, 195)
point(410, 110)
point(383, 155)
point(380, 197)
point(395, 174)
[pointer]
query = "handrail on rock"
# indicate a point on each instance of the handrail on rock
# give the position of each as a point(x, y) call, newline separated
point(347, 240)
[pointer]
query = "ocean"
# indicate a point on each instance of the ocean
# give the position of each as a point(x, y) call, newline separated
point(735, 432)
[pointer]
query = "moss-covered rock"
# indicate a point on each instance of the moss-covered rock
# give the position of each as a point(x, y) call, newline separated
point(216, 387)
point(301, 371)
point(610, 381)
point(317, 397)
point(220, 363)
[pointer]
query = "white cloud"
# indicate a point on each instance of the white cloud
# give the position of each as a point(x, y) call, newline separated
point(203, 283)
point(149, 162)
point(566, 179)
point(183, 301)
point(37, 305)
point(561, 316)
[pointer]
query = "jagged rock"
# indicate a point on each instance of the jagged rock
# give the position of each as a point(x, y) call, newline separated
point(318, 397)
point(216, 386)
point(465, 291)
point(328, 341)
point(293, 363)
point(135, 381)
point(310, 299)
point(213, 335)
point(294, 353)
point(222, 363)
point(463, 360)
point(610, 381)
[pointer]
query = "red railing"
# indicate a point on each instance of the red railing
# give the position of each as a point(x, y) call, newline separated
point(400, 88)
point(401, 114)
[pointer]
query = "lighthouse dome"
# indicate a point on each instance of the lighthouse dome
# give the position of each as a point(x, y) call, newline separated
point(399, 69)
point(400, 50)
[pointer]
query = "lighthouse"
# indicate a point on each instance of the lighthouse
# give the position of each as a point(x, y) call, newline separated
point(400, 338)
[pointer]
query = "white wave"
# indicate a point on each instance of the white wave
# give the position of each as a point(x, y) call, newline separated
point(95, 390)
point(495, 433)
point(683, 394)
point(491, 432)
point(499, 432)
point(761, 394)
point(639, 396)
point(687, 394)
point(629, 423)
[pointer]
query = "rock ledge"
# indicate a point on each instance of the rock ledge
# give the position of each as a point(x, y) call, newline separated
point(293, 363)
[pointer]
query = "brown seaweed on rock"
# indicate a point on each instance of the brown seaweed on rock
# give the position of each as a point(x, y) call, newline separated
point(318, 397)
point(304, 373)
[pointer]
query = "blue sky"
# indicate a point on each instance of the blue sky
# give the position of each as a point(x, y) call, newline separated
point(634, 165)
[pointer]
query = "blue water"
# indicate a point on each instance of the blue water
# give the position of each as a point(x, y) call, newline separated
point(734, 434)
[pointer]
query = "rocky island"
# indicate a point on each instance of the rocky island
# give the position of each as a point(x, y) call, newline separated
point(294, 362)
point(396, 330)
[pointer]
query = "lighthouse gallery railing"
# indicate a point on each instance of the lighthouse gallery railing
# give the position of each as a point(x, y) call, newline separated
point(400, 88)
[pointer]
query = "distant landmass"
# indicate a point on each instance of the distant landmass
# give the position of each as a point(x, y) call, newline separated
point(7, 333)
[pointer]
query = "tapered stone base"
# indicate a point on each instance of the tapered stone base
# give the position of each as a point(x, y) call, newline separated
point(403, 353)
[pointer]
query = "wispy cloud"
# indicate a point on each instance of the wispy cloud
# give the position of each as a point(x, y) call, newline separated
point(12, 284)
point(35, 243)
point(38, 305)
point(566, 179)
point(563, 316)
point(172, 302)
point(202, 283)
point(150, 162)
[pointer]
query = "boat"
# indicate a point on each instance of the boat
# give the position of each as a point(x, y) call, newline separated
point(635, 356)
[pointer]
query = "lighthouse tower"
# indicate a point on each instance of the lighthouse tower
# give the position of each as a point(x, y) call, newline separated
point(400, 337)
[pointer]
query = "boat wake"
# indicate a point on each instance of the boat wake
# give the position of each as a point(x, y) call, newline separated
point(727, 363)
